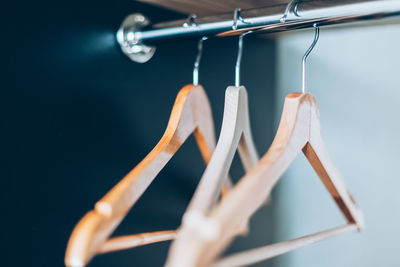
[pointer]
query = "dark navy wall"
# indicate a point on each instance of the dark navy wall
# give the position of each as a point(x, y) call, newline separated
point(77, 115)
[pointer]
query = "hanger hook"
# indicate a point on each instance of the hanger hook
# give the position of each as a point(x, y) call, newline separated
point(289, 7)
point(304, 61)
point(190, 21)
point(239, 58)
point(197, 61)
point(296, 8)
point(238, 17)
point(287, 10)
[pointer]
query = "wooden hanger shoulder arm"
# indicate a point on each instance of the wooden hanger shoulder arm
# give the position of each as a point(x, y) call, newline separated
point(186, 117)
point(207, 191)
point(246, 147)
point(317, 155)
point(180, 125)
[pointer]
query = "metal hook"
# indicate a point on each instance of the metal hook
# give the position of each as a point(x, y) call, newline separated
point(237, 17)
point(239, 58)
point(190, 21)
point(288, 8)
point(304, 75)
point(198, 58)
point(296, 8)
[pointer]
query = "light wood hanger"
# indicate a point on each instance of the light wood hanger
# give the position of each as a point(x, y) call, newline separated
point(191, 114)
point(235, 135)
point(299, 130)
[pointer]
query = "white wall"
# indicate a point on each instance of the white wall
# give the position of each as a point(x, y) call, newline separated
point(355, 75)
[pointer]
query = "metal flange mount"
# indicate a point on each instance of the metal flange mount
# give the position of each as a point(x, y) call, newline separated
point(128, 36)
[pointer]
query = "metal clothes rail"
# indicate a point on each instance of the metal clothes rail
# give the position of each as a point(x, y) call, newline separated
point(137, 38)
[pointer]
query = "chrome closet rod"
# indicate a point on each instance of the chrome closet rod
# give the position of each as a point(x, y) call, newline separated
point(134, 37)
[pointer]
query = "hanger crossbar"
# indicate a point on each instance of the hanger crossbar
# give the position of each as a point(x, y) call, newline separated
point(263, 253)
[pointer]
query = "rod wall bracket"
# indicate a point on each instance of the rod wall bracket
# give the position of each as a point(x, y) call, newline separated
point(128, 37)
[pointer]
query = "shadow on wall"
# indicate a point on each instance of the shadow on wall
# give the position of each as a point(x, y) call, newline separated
point(79, 115)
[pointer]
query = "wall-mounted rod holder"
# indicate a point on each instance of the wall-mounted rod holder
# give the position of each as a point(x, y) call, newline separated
point(138, 42)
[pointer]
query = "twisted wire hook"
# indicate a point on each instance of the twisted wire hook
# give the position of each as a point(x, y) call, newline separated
point(304, 61)
point(197, 61)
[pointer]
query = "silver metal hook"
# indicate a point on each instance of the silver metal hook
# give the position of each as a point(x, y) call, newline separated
point(304, 61)
point(287, 10)
point(239, 58)
point(296, 8)
point(237, 17)
point(190, 21)
point(197, 61)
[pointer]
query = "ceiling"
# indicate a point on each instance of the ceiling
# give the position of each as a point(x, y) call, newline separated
point(211, 7)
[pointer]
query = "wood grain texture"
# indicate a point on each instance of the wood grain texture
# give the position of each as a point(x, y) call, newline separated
point(191, 113)
point(299, 130)
point(209, 7)
point(235, 135)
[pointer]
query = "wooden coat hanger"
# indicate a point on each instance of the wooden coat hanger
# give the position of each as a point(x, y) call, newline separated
point(299, 130)
point(235, 135)
point(191, 114)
